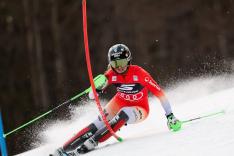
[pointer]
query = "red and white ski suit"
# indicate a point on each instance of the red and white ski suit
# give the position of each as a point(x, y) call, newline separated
point(131, 100)
point(132, 91)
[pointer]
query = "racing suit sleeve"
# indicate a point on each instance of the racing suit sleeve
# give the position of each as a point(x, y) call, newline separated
point(154, 88)
point(108, 73)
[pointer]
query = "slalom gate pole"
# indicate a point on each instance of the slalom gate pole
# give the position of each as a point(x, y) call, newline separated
point(2, 138)
point(46, 113)
point(204, 116)
point(87, 54)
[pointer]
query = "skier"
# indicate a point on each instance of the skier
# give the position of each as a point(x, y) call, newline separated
point(128, 106)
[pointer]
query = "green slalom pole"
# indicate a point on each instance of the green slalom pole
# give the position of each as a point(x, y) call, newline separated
point(204, 116)
point(99, 80)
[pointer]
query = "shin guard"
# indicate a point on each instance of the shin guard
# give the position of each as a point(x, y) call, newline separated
point(116, 123)
point(80, 138)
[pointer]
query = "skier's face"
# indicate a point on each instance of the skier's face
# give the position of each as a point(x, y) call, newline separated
point(121, 70)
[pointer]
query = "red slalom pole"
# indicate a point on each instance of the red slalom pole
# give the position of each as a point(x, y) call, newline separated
point(87, 55)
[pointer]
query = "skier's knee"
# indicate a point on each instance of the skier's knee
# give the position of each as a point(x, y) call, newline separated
point(116, 123)
point(134, 114)
point(99, 121)
point(121, 116)
point(80, 137)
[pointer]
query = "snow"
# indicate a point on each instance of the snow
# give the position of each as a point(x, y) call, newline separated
point(191, 98)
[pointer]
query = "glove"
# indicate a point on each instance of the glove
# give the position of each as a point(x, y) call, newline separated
point(173, 123)
point(100, 82)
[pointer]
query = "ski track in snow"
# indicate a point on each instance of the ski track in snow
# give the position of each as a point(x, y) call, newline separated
point(191, 98)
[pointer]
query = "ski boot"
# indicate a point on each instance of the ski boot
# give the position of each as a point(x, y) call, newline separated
point(61, 152)
point(87, 146)
point(103, 134)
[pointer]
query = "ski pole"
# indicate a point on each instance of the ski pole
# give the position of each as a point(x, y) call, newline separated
point(46, 113)
point(98, 82)
point(204, 116)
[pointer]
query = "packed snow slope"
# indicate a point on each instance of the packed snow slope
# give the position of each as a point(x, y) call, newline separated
point(191, 98)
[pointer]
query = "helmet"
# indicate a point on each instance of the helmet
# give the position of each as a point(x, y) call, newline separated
point(119, 56)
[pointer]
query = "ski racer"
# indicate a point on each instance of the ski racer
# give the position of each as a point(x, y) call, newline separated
point(128, 106)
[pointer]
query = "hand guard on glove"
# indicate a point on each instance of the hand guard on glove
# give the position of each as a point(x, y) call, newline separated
point(100, 82)
point(173, 123)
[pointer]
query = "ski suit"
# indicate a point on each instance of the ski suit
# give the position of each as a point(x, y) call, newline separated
point(132, 90)
point(129, 105)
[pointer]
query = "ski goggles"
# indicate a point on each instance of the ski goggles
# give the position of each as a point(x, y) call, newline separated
point(119, 63)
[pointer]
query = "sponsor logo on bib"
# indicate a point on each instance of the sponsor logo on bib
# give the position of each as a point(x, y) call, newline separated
point(148, 80)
